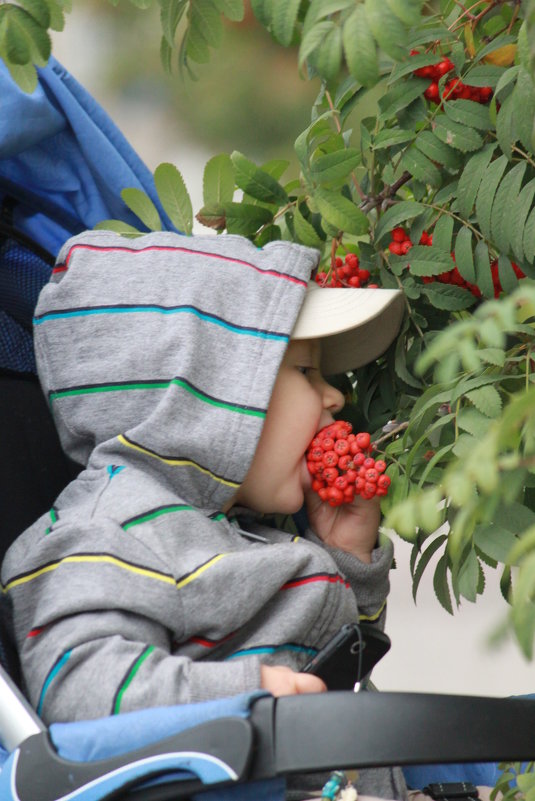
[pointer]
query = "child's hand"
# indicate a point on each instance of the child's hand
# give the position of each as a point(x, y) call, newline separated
point(280, 680)
point(350, 527)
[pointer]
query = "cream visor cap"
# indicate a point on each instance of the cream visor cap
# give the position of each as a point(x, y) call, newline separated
point(355, 325)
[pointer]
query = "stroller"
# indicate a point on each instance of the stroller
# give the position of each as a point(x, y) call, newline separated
point(62, 165)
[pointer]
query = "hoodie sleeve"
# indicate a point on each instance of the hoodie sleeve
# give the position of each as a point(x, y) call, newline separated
point(93, 628)
point(369, 582)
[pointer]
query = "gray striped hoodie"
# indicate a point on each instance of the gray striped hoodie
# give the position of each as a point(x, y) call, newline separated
point(158, 357)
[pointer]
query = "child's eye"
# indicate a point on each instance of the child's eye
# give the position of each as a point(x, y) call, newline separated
point(306, 370)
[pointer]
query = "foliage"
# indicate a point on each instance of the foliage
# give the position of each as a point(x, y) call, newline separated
point(458, 384)
point(447, 164)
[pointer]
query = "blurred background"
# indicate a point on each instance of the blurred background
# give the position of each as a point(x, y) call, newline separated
point(251, 98)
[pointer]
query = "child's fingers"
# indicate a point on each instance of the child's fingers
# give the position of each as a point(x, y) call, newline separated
point(308, 683)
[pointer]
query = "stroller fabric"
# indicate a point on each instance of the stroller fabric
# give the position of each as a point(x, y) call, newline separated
point(63, 164)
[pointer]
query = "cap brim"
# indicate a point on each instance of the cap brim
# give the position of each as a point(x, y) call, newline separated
point(355, 325)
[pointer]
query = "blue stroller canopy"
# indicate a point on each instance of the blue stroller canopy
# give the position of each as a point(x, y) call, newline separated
point(63, 164)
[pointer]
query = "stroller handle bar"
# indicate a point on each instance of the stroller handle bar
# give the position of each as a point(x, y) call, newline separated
point(18, 721)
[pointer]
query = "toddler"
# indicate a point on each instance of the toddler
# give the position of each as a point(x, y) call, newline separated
point(186, 375)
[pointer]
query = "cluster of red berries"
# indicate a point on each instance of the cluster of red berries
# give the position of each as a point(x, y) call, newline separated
point(401, 244)
point(346, 272)
point(342, 467)
point(453, 88)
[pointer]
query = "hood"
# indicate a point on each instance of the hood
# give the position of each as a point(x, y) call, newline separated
point(161, 352)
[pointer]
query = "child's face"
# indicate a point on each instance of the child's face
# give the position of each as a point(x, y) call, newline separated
point(302, 402)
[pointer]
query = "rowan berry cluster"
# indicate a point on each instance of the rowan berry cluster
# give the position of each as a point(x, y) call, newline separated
point(345, 272)
point(454, 88)
point(341, 465)
point(401, 244)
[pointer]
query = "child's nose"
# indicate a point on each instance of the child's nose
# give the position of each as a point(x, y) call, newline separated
point(333, 399)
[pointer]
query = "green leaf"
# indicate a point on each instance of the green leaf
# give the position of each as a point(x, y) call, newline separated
point(319, 9)
point(388, 30)
point(529, 238)
point(395, 215)
point(393, 136)
point(340, 212)
point(483, 273)
point(464, 258)
point(420, 167)
point(24, 75)
point(469, 419)
point(171, 12)
point(408, 11)
point(360, 48)
point(523, 102)
point(305, 231)
point(212, 216)
point(400, 96)
point(284, 17)
point(319, 125)
point(508, 279)
point(471, 178)
point(174, 196)
point(327, 58)
point(424, 560)
point(468, 577)
point(16, 42)
point(428, 260)
point(119, 227)
point(436, 150)
point(487, 192)
point(335, 166)
point(232, 9)
point(218, 180)
point(262, 9)
point(245, 219)
point(468, 112)
point(448, 296)
point(519, 214)
point(38, 9)
point(506, 196)
point(255, 182)
point(484, 75)
point(506, 127)
point(440, 584)
point(313, 39)
point(487, 400)
point(443, 232)
point(143, 207)
point(206, 21)
point(166, 55)
point(457, 135)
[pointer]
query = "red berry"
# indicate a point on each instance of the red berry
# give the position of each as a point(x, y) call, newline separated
point(330, 474)
point(395, 247)
point(341, 447)
point(432, 93)
point(363, 440)
point(330, 458)
point(364, 275)
point(383, 482)
point(380, 466)
point(398, 234)
point(354, 282)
